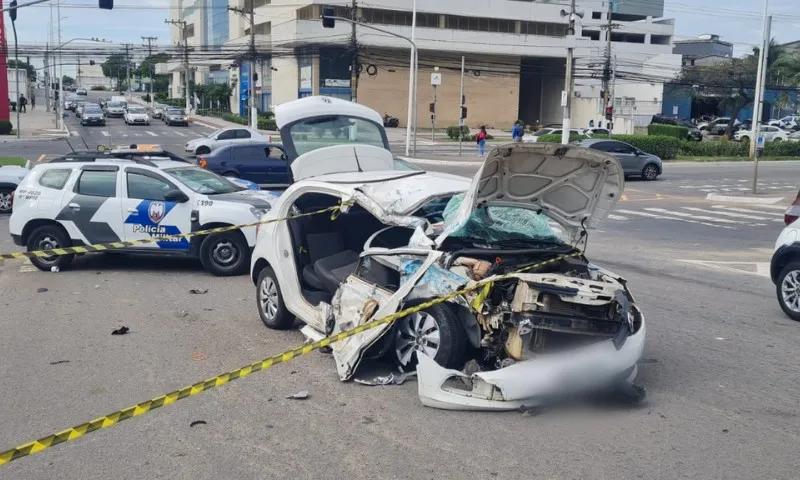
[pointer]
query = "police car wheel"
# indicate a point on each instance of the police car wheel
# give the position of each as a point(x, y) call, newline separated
point(49, 237)
point(203, 150)
point(270, 302)
point(225, 254)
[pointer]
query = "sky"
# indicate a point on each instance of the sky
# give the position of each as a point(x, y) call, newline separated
point(736, 21)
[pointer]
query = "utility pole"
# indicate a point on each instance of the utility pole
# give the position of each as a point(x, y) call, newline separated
point(758, 101)
point(569, 84)
point(47, 62)
point(412, 121)
point(150, 41)
point(461, 108)
point(353, 53)
point(613, 96)
point(251, 86)
point(60, 98)
point(127, 70)
point(187, 67)
point(78, 73)
point(607, 67)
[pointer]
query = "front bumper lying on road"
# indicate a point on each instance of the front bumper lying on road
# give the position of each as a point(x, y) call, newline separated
point(531, 382)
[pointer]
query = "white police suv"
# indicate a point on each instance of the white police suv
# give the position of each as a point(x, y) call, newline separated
point(86, 199)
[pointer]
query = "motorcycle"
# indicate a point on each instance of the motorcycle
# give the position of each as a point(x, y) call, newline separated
point(391, 122)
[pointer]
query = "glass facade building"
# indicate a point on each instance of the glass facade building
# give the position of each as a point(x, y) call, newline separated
point(217, 25)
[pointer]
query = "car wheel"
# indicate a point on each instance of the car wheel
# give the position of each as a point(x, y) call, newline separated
point(788, 289)
point(5, 200)
point(49, 237)
point(270, 302)
point(203, 151)
point(435, 331)
point(650, 172)
point(744, 138)
point(225, 254)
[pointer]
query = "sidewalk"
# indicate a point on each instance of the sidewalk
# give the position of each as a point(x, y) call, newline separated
point(36, 124)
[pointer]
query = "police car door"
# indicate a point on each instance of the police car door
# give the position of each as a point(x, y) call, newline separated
point(148, 214)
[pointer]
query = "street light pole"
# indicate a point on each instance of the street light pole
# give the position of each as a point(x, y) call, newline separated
point(565, 127)
point(16, 71)
point(60, 102)
point(411, 75)
point(759, 94)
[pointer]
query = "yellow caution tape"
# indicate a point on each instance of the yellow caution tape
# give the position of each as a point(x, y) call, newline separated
point(102, 247)
point(114, 418)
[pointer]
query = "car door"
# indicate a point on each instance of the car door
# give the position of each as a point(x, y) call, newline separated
point(243, 135)
point(94, 213)
point(148, 214)
point(225, 137)
point(250, 161)
point(277, 167)
point(625, 154)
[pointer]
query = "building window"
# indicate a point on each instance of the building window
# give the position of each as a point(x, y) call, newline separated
point(543, 29)
point(264, 28)
point(591, 35)
point(309, 12)
point(597, 15)
point(190, 30)
point(248, 4)
point(627, 37)
point(660, 39)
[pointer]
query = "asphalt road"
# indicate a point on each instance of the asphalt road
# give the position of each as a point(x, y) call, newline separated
point(719, 367)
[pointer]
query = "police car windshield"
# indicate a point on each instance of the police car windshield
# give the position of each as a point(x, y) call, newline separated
point(202, 181)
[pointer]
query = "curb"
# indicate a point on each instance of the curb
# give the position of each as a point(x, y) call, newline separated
point(747, 200)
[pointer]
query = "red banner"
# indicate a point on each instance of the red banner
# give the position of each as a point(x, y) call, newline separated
point(5, 113)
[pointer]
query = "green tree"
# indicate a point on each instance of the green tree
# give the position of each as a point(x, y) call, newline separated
point(144, 68)
point(69, 80)
point(115, 66)
point(30, 68)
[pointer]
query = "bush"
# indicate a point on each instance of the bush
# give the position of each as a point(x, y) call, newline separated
point(267, 123)
point(714, 149)
point(781, 149)
point(5, 127)
point(453, 130)
point(681, 133)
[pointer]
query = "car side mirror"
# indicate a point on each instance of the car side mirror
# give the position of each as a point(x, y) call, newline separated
point(176, 196)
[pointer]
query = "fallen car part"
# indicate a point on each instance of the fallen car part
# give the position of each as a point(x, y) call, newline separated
point(390, 379)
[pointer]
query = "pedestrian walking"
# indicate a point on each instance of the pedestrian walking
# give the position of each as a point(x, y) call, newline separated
point(22, 102)
point(517, 132)
point(33, 101)
point(480, 138)
point(591, 123)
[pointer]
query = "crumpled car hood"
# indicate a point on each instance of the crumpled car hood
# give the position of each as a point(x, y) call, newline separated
point(574, 186)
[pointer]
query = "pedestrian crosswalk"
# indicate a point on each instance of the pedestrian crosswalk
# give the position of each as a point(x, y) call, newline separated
point(730, 217)
point(145, 133)
point(728, 185)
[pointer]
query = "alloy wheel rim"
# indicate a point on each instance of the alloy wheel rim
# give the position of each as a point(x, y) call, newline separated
point(225, 253)
point(47, 242)
point(790, 291)
point(268, 297)
point(5, 201)
point(417, 332)
point(650, 172)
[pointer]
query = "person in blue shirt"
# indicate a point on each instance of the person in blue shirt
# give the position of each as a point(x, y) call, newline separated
point(517, 132)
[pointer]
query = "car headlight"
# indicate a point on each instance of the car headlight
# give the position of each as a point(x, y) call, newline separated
point(259, 212)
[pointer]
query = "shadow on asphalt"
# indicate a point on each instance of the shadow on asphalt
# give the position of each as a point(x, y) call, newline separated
point(136, 263)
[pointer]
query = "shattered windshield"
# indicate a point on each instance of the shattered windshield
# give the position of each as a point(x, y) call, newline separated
point(504, 226)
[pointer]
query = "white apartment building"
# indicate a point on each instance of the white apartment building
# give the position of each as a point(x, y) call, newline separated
point(514, 56)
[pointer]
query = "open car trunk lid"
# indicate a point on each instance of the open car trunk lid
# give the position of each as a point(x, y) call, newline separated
point(574, 186)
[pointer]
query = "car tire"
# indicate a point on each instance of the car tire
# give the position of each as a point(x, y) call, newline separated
point(202, 151)
point(5, 200)
point(452, 346)
point(790, 275)
point(650, 172)
point(225, 254)
point(48, 237)
point(269, 300)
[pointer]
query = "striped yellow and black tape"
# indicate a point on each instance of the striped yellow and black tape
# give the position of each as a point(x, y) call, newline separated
point(114, 418)
point(103, 247)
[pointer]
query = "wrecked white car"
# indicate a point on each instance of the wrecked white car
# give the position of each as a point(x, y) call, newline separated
point(524, 333)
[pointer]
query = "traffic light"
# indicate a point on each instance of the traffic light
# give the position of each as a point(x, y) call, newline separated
point(107, 4)
point(327, 17)
point(463, 112)
point(91, 62)
point(13, 10)
point(609, 113)
point(432, 107)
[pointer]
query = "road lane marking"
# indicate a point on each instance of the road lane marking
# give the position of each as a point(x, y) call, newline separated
point(179, 134)
point(105, 133)
point(748, 210)
point(698, 217)
point(733, 215)
point(664, 217)
point(759, 269)
point(152, 134)
point(617, 217)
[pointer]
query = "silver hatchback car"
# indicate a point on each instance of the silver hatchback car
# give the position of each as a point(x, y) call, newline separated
point(635, 163)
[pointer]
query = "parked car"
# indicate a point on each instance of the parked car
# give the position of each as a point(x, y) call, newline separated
point(785, 263)
point(789, 122)
point(718, 126)
point(768, 132)
point(92, 115)
point(115, 109)
point(10, 177)
point(634, 162)
point(263, 163)
point(136, 116)
point(222, 137)
point(176, 116)
point(369, 262)
point(596, 132)
point(534, 137)
point(694, 133)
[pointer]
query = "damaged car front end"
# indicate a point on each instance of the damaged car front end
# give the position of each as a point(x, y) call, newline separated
point(528, 317)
